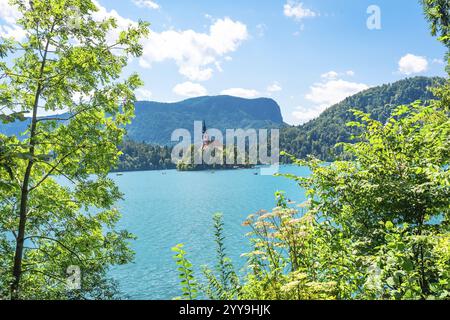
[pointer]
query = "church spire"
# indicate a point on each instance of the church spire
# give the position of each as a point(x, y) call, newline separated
point(206, 140)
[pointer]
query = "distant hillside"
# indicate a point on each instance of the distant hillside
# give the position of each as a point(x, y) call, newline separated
point(319, 136)
point(155, 122)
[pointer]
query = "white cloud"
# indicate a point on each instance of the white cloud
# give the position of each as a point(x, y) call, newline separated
point(8, 12)
point(240, 92)
point(410, 64)
point(147, 4)
point(274, 87)
point(189, 89)
point(12, 31)
point(333, 91)
point(143, 94)
point(218, 66)
point(82, 97)
point(294, 9)
point(330, 75)
point(9, 15)
point(325, 94)
point(195, 53)
point(333, 75)
point(303, 115)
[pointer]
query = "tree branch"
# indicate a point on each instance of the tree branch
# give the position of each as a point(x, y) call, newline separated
point(53, 169)
point(60, 243)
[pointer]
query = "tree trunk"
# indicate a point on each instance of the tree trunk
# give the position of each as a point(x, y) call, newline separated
point(17, 269)
point(23, 209)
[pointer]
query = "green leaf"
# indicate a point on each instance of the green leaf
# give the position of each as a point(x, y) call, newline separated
point(389, 225)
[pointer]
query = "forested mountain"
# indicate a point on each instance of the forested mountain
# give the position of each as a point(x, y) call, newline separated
point(155, 122)
point(319, 136)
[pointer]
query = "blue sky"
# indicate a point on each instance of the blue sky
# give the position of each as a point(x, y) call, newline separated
point(304, 54)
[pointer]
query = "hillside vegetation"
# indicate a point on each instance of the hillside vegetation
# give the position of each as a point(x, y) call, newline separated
point(155, 122)
point(150, 131)
point(319, 136)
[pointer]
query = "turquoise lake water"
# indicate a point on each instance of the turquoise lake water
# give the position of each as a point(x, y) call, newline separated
point(165, 208)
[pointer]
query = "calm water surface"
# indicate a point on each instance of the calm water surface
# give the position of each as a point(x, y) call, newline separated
point(164, 208)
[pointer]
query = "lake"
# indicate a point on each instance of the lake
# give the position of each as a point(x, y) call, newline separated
point(165, 208)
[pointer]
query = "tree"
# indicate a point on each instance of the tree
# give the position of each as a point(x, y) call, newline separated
point(437, 12)
point(57, 203)
point(390, 204)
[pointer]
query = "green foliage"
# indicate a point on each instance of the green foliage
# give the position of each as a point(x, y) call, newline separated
point(390, 205)
point(437, 13)
point(373, 227)
point(189, 286)
point(376, 223)
point(283, 263)
point(12, 117)
point(222, 283)
point(281, 199)
point(57, 205)
point(141, 157)
point(224, 286)
point(406, 261)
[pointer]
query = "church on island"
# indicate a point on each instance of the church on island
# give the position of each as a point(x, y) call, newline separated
point(208, 142)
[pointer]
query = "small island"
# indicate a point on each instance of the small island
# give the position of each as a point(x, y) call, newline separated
point(217, 150)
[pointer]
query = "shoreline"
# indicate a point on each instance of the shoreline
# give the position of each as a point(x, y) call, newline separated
point(207, 170)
